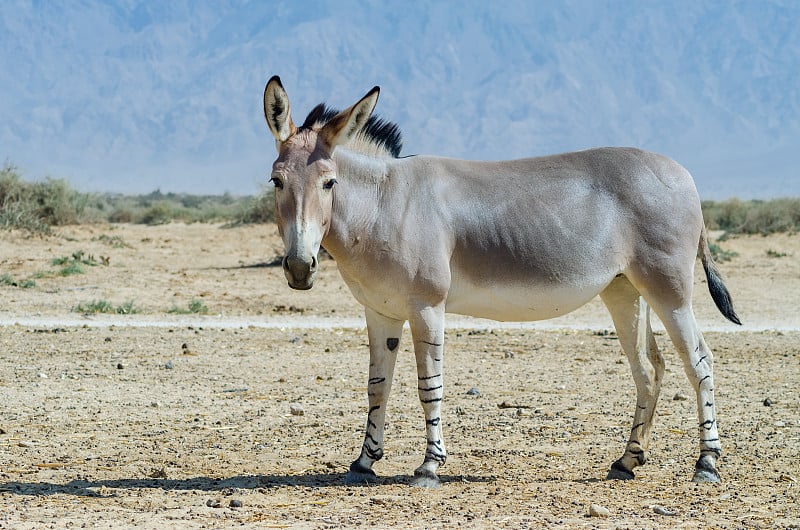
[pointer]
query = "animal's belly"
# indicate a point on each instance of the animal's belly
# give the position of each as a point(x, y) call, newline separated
point(510, 302)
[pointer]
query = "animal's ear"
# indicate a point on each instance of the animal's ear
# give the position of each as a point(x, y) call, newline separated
point(342, 127)
point(277, 110)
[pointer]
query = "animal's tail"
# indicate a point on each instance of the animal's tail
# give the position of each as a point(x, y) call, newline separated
point(720, 294)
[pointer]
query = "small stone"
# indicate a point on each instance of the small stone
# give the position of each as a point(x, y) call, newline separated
point(213, 503)
point(296, 410)
point(42, 375)
point(473, 392)
point(155, 404)
point(660, 510)
point(780, 424)
point(235, 503)
point(509, 355)
point(168, 365)
point(595, 510)
point(107, 339)
point(768, 402)
point(184, 346)
point(680, 397)
point(120, 366)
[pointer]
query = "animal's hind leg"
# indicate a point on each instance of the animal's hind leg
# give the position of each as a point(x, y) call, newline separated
point(631, 316)
point(698, 363)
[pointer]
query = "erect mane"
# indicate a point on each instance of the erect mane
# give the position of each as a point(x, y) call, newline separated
point(378, 136)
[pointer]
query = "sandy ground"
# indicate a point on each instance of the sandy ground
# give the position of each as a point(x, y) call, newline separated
point(164, 420)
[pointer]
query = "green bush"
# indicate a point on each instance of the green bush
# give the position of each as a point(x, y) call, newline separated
point(753, 217)
point(258, 209)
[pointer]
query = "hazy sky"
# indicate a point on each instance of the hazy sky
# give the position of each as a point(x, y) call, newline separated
point(132, 96)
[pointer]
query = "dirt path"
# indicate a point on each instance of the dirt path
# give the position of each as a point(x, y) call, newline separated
point(186, 421)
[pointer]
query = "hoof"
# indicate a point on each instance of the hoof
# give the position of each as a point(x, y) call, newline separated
point(358, 475)
point(704, 471)
point(704, 475)
point(425, 479)
point(619, 472)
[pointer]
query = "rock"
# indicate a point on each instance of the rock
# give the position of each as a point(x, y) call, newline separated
point(660, 510)
point(768, 402)
point(235, 503)
point(595, 510)
point(296, 409)
point(42, 375)
point(473, 392)
point(168, 365)
point(120, 366)
point(680, 397)
point(213, 503)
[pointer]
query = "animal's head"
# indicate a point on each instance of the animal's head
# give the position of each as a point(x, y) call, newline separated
point(304, 175)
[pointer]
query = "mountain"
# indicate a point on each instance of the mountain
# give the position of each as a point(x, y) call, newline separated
point(133, 95)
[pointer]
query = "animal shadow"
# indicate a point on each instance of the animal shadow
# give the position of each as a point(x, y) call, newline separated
point(108, 487)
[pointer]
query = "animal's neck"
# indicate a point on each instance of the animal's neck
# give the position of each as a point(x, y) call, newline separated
point(356, 199)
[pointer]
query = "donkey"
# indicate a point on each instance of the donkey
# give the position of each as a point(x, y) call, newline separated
point(531, 239)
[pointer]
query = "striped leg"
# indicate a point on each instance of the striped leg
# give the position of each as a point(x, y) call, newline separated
point(384, 341)
point(427, 329)
point(631, 316)
point(698, 363)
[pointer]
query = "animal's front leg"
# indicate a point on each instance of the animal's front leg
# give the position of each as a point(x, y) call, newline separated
point(427, 329)
point(384, 342)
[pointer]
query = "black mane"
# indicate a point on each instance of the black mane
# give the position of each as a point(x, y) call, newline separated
point(377, 131)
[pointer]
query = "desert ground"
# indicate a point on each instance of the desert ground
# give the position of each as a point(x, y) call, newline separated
point(220, 398)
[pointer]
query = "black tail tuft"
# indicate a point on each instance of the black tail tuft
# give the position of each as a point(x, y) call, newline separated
point(720, 294)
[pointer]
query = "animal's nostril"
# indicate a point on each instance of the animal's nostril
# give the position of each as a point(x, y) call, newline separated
point(313, 263)
point(285, 263)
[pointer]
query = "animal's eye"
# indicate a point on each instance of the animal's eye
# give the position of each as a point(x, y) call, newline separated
point(278, 182)
point(328, 184)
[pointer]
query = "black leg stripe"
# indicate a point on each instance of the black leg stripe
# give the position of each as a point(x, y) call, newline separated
point(429, 389)
point(376, 454)
point(432, 400)
point(708, 424)
point(701, 360)
point(376, 380)
point(429, 377)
